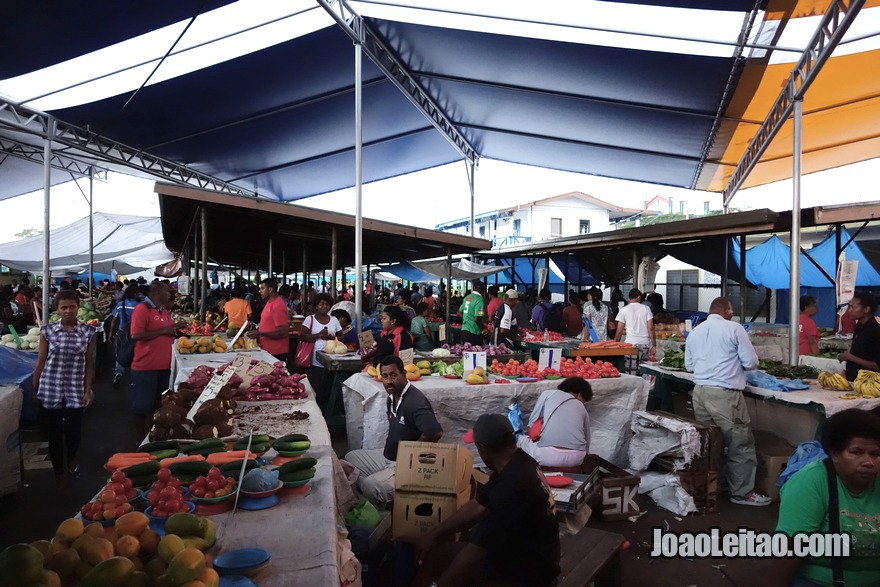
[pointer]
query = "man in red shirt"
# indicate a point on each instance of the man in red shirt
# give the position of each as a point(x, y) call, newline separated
point(808, 332)
point(274, 333)
point(493, 305)
point(572, 316)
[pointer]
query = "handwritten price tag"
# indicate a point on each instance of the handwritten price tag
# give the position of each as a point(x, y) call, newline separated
point(549, 358)
point(472, 361)
point(211, 390)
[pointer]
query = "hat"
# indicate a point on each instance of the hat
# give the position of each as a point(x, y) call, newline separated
point(490, 430)
point(511, 294)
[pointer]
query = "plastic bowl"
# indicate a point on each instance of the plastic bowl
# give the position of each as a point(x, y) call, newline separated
point(262, 494)
point(229, 495)
point(159, 521)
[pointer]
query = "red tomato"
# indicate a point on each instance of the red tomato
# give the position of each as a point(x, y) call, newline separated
point(215, 473)
point(230, 481)
point(117, 476)
point(209, 495)
point(127, 483)
point(164, 474)
point(107, 496)
point(173, 483)
point(199, 492)
point(212, 485)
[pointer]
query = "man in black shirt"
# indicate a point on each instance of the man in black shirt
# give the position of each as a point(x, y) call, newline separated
point(864, 352)
point(514, 537)
point(410, 417)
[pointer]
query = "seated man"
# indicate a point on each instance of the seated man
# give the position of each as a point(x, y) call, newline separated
point(410, 417)
point(514, 537)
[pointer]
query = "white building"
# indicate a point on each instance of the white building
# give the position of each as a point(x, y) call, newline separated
point(564, 215)
point(696, 204)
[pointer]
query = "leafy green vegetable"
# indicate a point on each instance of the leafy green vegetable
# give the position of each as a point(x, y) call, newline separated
point(456, 368)
point(778, 369)
point(673, 359)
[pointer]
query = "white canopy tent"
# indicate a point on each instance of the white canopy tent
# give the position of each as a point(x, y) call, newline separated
point(127, 244)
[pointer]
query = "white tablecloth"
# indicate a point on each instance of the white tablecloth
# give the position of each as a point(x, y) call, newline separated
point(300, 532)
point(822, 364)
point(829, 401)
point(457, 406)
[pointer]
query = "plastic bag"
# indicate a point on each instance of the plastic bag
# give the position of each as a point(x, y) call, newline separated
point(363, 515)
point(16, 366)
point(257, 480)
point(514, 414)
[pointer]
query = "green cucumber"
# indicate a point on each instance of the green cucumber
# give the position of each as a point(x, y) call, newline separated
point(141, 469)
point(236, 466)
point(165, 454)
point(293, 438)
point(195, 468)
point(258, 448)
point(292, 446)
point(206, 443)
point(297, 465)
point(209, 450)
point(297, 476)
point(160, 445)
point(256, 439)
point(143, 481)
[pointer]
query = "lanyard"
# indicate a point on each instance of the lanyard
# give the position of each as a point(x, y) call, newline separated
point(391, 409)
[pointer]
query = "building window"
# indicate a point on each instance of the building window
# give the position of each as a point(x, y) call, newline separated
point(705, 207)
point(482, 231)
point(517, 224)
point(681, 207)
point(556, 227)
point(584, 227)
point(679, 296)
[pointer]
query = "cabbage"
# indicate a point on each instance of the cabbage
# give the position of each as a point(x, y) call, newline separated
point(35, 331)
point(6, 338)
point(456, 368)
point(442, 352)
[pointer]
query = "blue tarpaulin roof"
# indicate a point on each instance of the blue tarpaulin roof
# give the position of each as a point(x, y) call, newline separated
point(768, 264)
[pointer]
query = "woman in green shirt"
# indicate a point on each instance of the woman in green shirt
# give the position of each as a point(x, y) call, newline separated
point(852, 440)
point(423, 340)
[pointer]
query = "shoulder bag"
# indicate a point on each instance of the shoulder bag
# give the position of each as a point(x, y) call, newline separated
point(537, 428)
point(123, 344)
point(304, 350)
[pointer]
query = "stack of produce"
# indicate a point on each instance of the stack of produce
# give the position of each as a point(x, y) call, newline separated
point(867, 383)
point(605, 344)
point(780, 369)
point(834, 381)
point(673, 360)
point(477, 376)
point(460, 349)
point(535, 336)
point(166, 496)
point(203, 344)
point(113, 501)
point(30, 341)
point(126, 554)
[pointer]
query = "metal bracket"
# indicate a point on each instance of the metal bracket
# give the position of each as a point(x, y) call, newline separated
point(90, 144)
point(837, 20)
point(396, 71)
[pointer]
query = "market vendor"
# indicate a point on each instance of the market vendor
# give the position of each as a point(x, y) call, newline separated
point(514, 536)
point(347, 335)
point(395, 336)
point(808, 332)
point(274, 332)
point(864, 352)
point(410, 417)
point(238, 310)
point(506, 328)
point(473, 314)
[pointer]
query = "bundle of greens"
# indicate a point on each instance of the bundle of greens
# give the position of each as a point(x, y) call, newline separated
point(673, 360)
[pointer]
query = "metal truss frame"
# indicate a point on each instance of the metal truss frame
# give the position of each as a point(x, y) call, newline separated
point(396, 70)
point(837, 20)
point(90, 144)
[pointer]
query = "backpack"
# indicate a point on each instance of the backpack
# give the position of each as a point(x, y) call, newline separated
point(553, 319)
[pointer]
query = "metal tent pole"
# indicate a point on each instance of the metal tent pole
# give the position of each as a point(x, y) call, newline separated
point(742, 279)
point(91, 230)
point(197, 300)
point(283, 267)
point(795, 277)
point(47, 180)
point(333, 261)
point(358, 187)
point(271, 266)
point(725, 271)
point(471, 169)
point(448, 290)
point(204, 290)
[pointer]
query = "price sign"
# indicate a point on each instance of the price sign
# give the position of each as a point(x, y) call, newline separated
point(365, 339)
point(183, 285)
point(238, 335)
point(441, 333)
point(549, 358)
point(261, 368)
point(406, 355)
point(472, 361)
point(211, 390)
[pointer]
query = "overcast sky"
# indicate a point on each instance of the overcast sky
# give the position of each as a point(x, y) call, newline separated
point(441, 194)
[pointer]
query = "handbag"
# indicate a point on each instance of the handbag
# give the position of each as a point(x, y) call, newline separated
point(537, 428)
point(123, 343)
point(304, 351)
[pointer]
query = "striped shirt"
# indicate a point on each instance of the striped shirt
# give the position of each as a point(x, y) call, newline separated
point(62, 382)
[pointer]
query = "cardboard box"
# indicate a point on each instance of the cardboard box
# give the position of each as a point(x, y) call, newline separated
point(618, 490)
point(773, 453)
point(415, 512)
point(433, 468)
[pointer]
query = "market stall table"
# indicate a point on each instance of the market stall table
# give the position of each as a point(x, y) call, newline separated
point(341, 366)
point(457, 406)
point(12, 457)
point(300, 532)
point(571, 348)
point(817, 401)
point(180, 360)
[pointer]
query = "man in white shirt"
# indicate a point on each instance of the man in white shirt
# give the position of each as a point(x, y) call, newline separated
point(718, 352)
point(639, 323)
point(506, 328)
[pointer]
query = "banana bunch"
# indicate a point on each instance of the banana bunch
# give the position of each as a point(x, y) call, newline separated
point(867, 383)
point(835, 381)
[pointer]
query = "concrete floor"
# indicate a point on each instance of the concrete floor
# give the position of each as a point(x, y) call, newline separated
point(36, 510)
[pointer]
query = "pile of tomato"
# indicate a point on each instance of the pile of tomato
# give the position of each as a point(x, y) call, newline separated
point(586, 368)
point(514, 368)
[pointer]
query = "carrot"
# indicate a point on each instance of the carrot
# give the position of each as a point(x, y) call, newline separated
point(165, 463)
point(121, 463)
point(133, 455)
point(219, 458)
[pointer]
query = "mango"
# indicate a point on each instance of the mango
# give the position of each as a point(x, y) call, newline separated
point(51, 578)
point(112, 572)
point(132, 524)
point(139, 579)
point(155, 568)
point(195, 542)
point(128, 546)
point(96, 531)
point(69, 530)
point(98, 551)
point(187, 565)
point(210, 578)
point(195, 583)
point(169, 546)
point(65, 564)
point(184, 524)
point(83, 569)
point(22, 564)
point(209, 533)
point(83, 542)
point(43, 546)
point(56, 545)
point(149, 541)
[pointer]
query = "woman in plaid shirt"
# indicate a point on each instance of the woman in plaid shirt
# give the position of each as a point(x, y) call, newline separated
point(63, 381)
